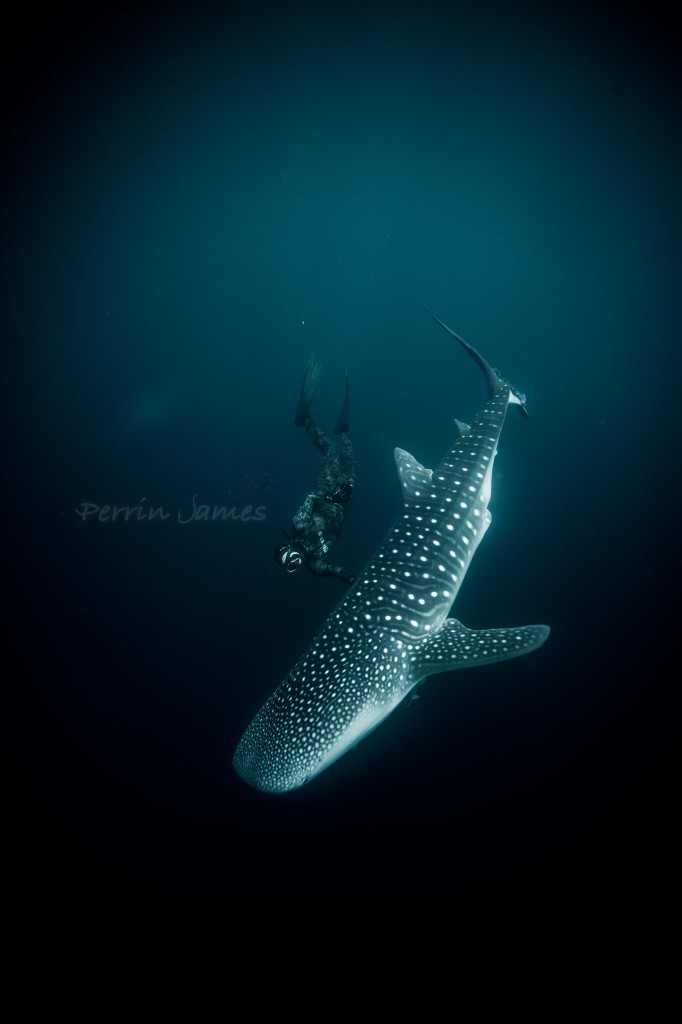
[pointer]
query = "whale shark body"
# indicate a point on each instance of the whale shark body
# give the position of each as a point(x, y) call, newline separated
point(391, 630)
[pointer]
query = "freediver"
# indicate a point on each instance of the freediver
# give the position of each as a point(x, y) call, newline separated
point(317, 523)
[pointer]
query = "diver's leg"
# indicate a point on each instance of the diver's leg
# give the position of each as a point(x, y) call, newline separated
point(308, 388)
point(348, 462)
point(318, 437)
point(328, 474)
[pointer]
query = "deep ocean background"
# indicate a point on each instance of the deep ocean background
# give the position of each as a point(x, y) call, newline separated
point(194, 198)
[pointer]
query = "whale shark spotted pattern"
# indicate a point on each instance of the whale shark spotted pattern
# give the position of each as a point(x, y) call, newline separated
point(392, 630)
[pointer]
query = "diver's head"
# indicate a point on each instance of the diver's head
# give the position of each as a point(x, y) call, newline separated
point(288, 556)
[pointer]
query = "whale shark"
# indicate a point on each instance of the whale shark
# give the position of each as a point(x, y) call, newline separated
point(392, 629)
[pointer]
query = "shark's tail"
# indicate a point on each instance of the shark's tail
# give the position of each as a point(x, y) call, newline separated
point(494, 381)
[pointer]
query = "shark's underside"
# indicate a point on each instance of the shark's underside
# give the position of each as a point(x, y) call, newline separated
point(392, 630)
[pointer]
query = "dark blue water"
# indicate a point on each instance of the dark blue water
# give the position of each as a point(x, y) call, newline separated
point(195, 197)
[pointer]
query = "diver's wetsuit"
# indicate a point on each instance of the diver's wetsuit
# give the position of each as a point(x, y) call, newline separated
point(317, 524)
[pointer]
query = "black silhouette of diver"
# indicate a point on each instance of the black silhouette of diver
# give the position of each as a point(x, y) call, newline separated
point(317, 523)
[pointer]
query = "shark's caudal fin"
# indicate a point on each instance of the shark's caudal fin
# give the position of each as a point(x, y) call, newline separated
point(493, 380)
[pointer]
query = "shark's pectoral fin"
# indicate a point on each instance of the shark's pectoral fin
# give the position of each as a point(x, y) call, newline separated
point(454, 646)
point(414, 478)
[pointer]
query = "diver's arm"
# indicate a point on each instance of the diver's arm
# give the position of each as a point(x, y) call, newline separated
point(320, 568)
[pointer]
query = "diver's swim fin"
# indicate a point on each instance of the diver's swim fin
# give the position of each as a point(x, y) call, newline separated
point(342, 425)
point(308, 388)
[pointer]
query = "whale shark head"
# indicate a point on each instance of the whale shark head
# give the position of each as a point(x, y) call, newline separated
point(340, 690)
point(392, 629)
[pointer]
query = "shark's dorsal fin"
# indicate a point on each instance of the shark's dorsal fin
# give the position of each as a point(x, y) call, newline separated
point(463, 428)
point(415, 479)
